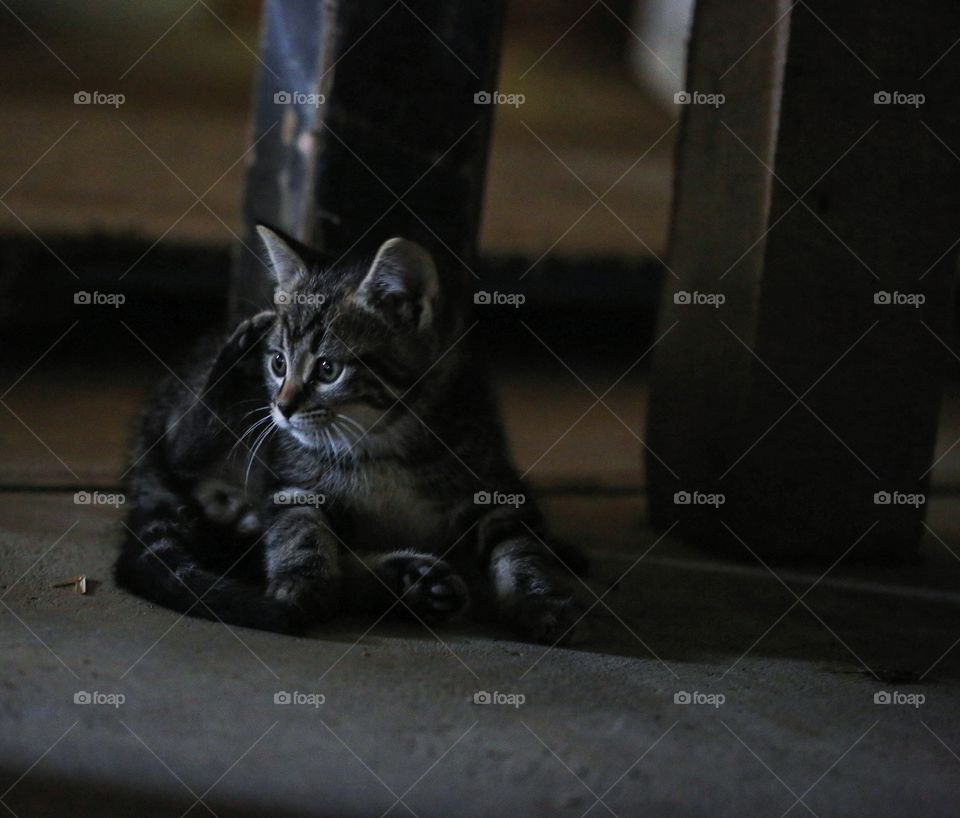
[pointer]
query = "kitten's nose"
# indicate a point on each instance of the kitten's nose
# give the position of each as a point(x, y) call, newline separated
point(288, 399)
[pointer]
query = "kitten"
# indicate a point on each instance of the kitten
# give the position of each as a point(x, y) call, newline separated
point(376, 448)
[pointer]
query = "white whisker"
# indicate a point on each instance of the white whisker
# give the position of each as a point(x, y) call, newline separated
point(258, 409)
point(253, 453)
point(249, 430)
point(351, 435)
point(351, 422)
point(342, 437)
point(331, 443)
point(241, 402)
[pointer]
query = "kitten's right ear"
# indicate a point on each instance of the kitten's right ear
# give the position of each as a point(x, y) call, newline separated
point(286, 264)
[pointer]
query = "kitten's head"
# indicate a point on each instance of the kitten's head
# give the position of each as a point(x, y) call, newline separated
point(351, 340)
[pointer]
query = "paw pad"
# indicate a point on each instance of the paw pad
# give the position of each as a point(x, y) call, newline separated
point(432, 588)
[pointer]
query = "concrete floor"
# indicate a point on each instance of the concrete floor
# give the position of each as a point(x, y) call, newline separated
point(398, 721)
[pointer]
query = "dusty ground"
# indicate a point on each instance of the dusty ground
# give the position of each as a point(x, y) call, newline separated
point(798, 679)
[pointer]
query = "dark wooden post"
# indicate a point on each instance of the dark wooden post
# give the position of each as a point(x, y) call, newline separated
point(359, 105)
point(819, 199)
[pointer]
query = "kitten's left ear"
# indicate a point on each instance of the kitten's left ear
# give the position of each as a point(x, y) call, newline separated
point(286, 263)
point(402, 281)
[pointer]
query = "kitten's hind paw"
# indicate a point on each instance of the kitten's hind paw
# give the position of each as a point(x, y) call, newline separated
point(318, 604)
point(430, 587)
point(553, 619)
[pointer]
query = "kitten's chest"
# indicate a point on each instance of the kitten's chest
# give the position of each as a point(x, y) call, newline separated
point(388, 507)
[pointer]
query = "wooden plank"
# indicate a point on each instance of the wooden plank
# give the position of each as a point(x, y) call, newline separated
point(802, 397)
point(359, 105)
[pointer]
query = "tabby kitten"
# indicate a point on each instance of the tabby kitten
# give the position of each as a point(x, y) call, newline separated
point(339, 453)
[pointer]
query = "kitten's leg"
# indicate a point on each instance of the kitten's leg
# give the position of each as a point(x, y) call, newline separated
point(428, 587)
point(239, 348)
point(301, 559)
point(157, 561)
point(530, 591)
point(197, 426)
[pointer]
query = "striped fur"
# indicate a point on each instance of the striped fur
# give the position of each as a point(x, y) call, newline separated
point(329, 455)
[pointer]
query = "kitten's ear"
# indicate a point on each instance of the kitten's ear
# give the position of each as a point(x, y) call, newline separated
point(286, 264)
point(403, 282)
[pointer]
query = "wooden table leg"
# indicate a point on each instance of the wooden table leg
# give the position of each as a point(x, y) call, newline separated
point(819, 200)
point(366, 127)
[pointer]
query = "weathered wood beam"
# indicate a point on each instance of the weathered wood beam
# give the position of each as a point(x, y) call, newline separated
point(365, 127)
point(802, 199)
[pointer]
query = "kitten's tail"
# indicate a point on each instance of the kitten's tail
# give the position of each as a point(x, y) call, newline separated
point(156, 566)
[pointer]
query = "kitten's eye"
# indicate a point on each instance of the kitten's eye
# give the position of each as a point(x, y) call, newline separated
point(327, 371)
point(279, 365)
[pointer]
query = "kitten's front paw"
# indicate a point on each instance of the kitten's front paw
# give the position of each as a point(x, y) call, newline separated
point(431, 588)
point(319, 602)
point(554, 619)
point(247, 335)
point(251, 331)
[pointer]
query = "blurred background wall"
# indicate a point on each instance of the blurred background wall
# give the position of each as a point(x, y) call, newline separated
point(186, 70)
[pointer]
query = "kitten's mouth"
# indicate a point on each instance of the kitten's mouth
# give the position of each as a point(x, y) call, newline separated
point(322, 429)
